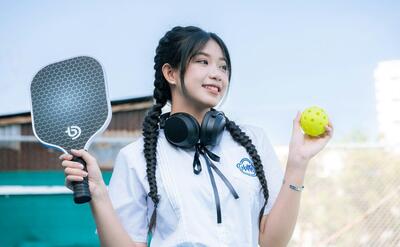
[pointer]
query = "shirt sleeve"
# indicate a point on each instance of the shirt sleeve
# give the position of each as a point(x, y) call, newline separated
point(272, 167)
point(128, 198)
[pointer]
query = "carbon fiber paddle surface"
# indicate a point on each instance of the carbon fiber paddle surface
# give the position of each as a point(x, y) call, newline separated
point(70, 106)
point(70, 103)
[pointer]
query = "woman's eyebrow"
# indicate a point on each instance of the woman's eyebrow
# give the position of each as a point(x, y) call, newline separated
point(207, 55)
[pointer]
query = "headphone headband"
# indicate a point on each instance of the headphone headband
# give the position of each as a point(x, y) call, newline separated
point(182, 129)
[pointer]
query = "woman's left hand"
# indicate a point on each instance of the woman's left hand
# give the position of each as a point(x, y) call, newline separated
point(303, 147)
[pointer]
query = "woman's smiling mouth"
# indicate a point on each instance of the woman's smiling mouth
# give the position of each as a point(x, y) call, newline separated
point(212, 88)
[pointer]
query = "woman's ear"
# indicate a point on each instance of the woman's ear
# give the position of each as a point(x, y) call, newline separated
point(170, 74)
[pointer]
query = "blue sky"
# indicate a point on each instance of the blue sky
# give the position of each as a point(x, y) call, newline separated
point(286, 55)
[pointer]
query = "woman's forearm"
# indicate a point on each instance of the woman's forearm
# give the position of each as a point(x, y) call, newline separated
point(282, 218)
point(110, 230)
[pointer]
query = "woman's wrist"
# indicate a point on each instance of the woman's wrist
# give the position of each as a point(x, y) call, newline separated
point(297, 159)
point(295, 173)
point(100, 192)
point(295, 187)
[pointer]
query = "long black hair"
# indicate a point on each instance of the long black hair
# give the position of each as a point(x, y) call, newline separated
point(177, 48)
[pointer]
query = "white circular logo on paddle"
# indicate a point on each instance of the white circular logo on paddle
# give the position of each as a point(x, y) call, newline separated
point(73, 131)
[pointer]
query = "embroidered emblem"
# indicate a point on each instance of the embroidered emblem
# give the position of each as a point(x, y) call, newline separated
point(246, 166)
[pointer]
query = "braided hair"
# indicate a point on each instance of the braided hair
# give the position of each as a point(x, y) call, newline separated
point(177, 48)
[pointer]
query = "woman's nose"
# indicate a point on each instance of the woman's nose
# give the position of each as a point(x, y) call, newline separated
point(215, 74)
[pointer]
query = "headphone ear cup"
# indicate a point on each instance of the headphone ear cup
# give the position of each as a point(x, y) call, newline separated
point(182, 130)
point(163, 118)
point(212, 126)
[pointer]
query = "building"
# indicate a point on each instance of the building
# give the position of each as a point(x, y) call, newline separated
point(19, 149)
point(387, 86)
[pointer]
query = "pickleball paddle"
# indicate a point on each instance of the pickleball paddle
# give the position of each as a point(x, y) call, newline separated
point(69, 107)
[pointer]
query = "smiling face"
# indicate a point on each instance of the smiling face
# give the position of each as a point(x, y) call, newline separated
point(206, 77)
point(205, 80)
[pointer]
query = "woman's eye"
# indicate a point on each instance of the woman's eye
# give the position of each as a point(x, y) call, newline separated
point(202, 61)
point(224, 67)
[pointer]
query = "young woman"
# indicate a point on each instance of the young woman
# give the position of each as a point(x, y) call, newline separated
point(196, 178)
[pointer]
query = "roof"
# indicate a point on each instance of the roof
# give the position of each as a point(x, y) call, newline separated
point(117, 106)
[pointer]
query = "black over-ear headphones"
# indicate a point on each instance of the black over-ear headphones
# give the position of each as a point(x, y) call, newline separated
point(182, 129)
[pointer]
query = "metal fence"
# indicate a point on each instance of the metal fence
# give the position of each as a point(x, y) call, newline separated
point(351, 195)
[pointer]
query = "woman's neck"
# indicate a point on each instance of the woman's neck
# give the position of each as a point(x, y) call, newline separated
point(198, 114)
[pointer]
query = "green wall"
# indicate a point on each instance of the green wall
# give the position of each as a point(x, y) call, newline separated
point(44, 220)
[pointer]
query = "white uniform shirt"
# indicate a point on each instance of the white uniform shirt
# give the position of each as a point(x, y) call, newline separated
point(186, 214)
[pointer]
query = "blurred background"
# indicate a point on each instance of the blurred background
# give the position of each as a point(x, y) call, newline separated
point(343, 56)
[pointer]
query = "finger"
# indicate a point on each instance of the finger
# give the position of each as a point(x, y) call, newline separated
point(83, 154)
point(326, 135)
point(74, 171)
point(296, 122)
point(68, 184)
point(72, 164)
point(74, 178)
point(65, 157)
point(329, 130)
point(297, 118)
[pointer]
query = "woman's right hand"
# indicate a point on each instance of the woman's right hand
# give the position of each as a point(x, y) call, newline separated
point(74, 171)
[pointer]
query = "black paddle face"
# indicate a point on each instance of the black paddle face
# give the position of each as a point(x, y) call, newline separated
point(70, 103)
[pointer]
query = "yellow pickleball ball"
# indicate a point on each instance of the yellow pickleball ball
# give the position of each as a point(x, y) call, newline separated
point(313, 121)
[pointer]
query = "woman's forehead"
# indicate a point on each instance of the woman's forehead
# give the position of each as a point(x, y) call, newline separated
point(211, 49)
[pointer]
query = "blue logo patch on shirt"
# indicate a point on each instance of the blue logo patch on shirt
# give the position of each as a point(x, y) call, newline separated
point(246, 166)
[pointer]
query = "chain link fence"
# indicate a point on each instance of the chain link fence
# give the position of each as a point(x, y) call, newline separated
point(351, 195)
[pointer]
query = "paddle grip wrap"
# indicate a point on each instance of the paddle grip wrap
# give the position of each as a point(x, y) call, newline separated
point(81, 188)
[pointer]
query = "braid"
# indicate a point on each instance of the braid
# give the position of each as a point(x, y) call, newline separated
point(161, 94)
point(150, 134)
point(240, 137)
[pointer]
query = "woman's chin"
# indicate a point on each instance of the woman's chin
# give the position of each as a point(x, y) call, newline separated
point(206, 102)
point(210, 104)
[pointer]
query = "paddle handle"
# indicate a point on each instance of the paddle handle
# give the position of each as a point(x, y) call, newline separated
point(81, 188)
